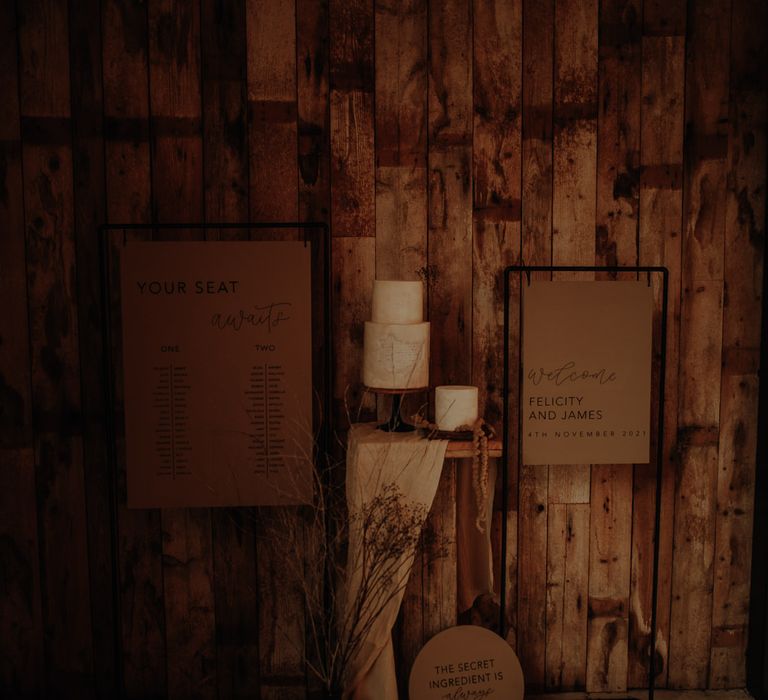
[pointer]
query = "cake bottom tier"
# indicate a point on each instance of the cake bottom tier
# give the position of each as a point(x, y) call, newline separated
point(396, 355)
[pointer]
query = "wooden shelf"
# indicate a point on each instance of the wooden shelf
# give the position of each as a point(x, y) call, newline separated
point(464, 450)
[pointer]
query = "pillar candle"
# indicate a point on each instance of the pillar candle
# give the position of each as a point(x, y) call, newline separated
point(455, 406)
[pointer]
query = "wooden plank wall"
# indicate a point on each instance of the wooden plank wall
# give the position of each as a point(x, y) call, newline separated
point(441, 141)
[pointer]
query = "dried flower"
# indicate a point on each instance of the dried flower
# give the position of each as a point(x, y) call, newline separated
point(345, 588)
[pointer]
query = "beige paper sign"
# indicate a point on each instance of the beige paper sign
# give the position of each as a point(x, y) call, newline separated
point(217, 373)
point(586, 395)
point(466, 663)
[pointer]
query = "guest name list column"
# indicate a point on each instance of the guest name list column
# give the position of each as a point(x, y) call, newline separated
point(266, 393)
point(172, 444)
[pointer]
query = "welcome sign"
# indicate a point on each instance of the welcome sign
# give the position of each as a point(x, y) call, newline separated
point(586, 391)
point(217, 373)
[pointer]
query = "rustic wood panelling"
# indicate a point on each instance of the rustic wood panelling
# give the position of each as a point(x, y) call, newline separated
point(661, 146)
point(89, 213)
point(274, 196)
point(534, 593)
point(272, 132)
point(128, 200)
point(312, 44)
point(126, 111)
point(573, 242)
point(616, 239)
point(226, 178)
point(313, 91)
point(449, 281)
point(449, 224)
point(176, 141)
point(44, 88)
point(567, 556)
point(224, 110)
point(400, 97)
point(441, 141)
point(439, 561)
point(496, 174)
point(701, 328)
point(352, 173)
point(312, 54)
point(353, 270)
point(401, 139)
point(742, 272)
point(351, 109)
point(536, 208)
point(496, 239)
point(21, 628)
point(176, 109)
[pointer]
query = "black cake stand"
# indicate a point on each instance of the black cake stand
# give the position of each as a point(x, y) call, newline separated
point(395, 424)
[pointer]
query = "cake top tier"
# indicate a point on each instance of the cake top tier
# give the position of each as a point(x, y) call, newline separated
point(397, 301)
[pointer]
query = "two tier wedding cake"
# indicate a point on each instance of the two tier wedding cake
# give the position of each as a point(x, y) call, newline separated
point(396, 340)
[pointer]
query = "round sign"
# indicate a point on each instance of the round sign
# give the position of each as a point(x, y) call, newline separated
point(466, 663)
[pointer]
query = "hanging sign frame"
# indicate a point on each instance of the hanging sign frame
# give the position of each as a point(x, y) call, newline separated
point(313, 235)
point(523, 272)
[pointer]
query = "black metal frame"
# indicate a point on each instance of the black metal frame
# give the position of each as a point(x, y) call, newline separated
point(757, 644)
point(527, 269)
point(108, 370)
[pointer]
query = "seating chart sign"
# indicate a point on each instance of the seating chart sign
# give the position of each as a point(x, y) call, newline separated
point(586, 394)
point(217, 374)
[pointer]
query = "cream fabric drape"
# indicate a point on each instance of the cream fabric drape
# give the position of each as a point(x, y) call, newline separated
point(375, 460)
point(475, 564)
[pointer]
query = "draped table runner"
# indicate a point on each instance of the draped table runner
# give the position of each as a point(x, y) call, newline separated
point(475, 559)
point(376, 461)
